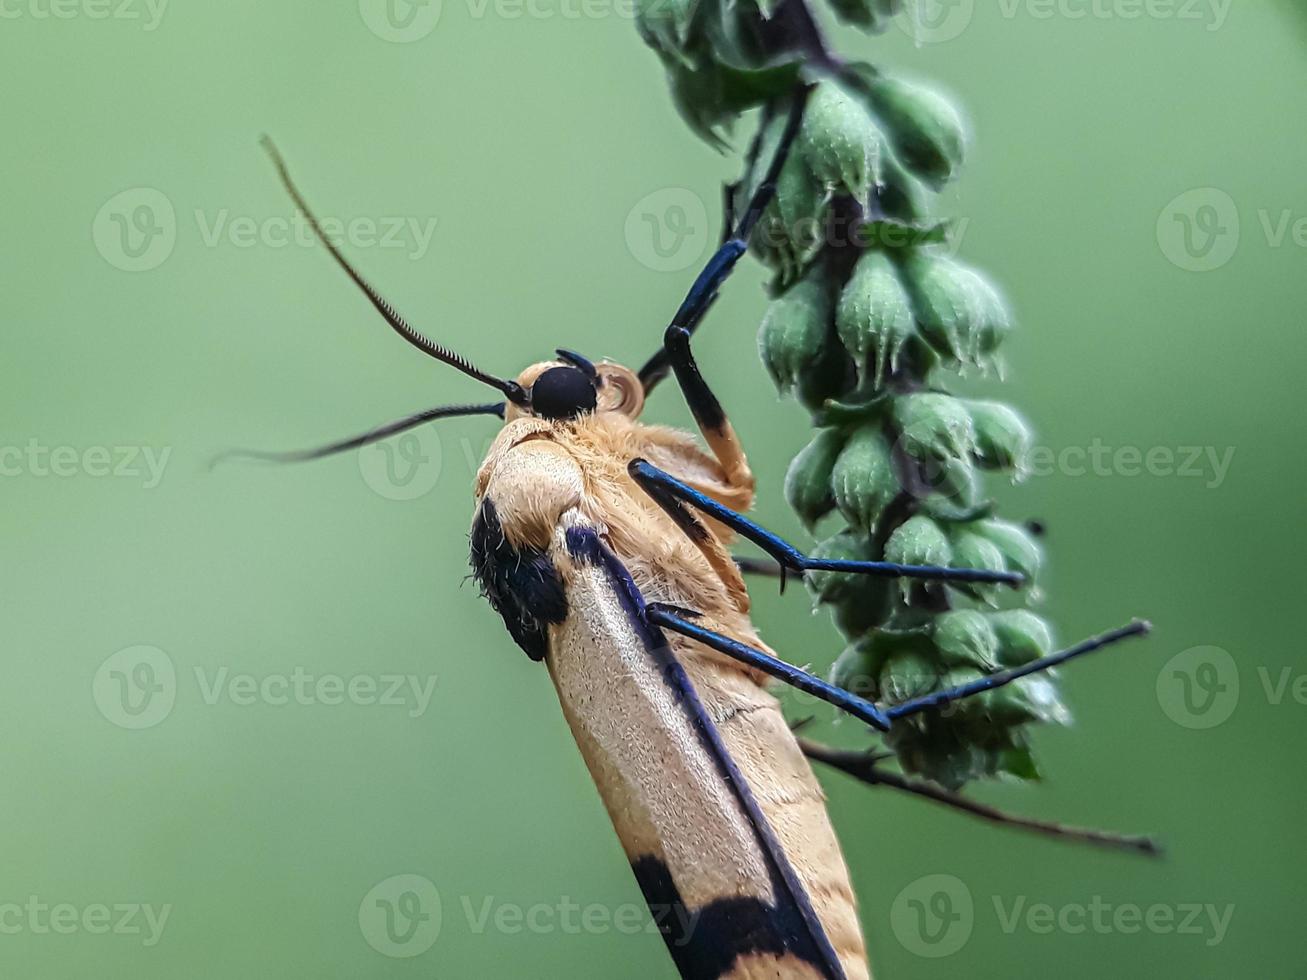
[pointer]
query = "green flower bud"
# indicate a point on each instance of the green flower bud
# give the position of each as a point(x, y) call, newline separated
point(833, 586)
point(808, 480)
point(924, 127)
point(1019, 761)
point(1032, 698)
point(973, 551)
point(1002, 437)
point(965, 636)
point(664, 25)
point(828, 377)
point(909, 674)
point(947, 309)
point(791, 231)
point(863, 478)
point(917, 541)
point(860, 602)
point(857, 668)
point(1018, 547)
point(957, 309)
point(840, 141)
point(1022, 636)
point(934, 426)
point(874, 319)
point(995, 318)
point(794, 331)
point(860, 668)
point(870, 15)
point(866, 609)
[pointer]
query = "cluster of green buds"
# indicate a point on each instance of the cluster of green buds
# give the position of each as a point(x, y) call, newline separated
point(871, 319)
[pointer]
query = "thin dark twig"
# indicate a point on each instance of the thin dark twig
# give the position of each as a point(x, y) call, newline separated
point(862, 766)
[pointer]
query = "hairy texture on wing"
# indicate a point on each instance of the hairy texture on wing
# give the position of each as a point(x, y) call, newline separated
point(535, 470)
point(540, 475)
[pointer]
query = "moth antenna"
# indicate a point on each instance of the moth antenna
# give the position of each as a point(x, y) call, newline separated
point(511, 389)
point(366, 438)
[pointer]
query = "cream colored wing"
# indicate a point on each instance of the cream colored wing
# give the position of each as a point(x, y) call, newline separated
point(718, 881)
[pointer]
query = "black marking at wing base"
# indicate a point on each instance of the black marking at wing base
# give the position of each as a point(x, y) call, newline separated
point(523, 586)
point(728, 928)
point(706, 942)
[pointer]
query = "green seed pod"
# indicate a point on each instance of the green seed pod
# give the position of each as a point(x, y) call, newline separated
point(863, 478)
point(834, 586)
point(949, 312)
point(1018, 547)
point(859, 602)
point(874, 319)
point(870, 15)
point(664, 25)
point(925, 129)
point(909, 674)
point(973, 551)
point(828, 377)
point(966, 637)
point(862, 665)
point(808, 480)
point(865, 610)
point(917, 541)
point(794, 331)
point(995, 318)
point(857, 668)
point(840, 141)
point(1032, 698)
point(791, 231)
point(1002, 437)
point(934, 426)
point(1022, 636)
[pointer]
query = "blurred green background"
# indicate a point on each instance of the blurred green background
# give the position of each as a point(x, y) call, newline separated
point(158, 755)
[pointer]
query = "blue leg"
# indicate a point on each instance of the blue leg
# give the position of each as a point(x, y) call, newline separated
point(1137, 627)
point(674, 619)
point(671, 494)
point(722, 263)
point(669, 617)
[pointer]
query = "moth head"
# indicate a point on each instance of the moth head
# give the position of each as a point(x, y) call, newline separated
point(572, 386)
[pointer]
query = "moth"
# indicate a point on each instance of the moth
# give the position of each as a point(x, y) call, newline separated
point(604, 543)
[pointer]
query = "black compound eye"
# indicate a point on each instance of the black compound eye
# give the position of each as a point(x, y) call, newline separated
point(562, 393)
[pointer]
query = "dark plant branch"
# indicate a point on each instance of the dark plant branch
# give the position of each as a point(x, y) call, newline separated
point(863, 766)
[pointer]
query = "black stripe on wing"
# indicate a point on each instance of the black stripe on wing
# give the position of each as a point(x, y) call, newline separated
point(706, 942)
point(522, 585)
